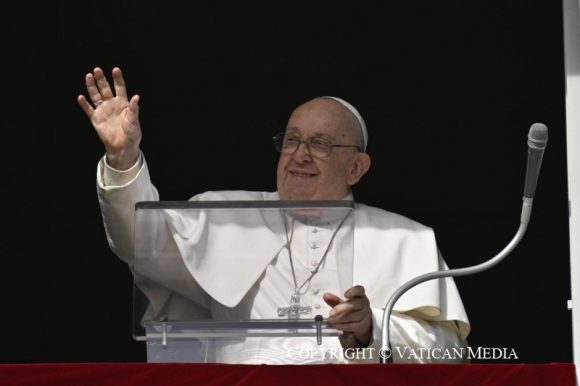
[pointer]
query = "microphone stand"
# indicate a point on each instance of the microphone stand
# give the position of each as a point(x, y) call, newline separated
point(386, 352)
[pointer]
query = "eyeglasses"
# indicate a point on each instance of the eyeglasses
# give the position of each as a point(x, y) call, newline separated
point(317, 147)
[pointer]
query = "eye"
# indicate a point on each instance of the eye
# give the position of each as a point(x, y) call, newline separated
point(319, 143)
point(291, 139)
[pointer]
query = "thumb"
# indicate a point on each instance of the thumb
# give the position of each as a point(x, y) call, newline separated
point(133, 109)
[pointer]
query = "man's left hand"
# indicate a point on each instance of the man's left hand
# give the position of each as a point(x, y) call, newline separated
point(352, 316)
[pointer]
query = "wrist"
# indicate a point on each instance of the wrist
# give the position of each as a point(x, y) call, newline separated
point(366, 338)
point(124, 159)
point(363, 341)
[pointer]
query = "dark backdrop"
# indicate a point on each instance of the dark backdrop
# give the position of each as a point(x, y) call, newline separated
point(448, 91)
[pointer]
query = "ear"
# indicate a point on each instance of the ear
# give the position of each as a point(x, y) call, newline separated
point(360, 166)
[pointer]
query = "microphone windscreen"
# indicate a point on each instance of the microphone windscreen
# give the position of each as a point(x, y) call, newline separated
point(538, 136)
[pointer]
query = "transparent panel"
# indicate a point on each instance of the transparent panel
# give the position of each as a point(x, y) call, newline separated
point(240, 281)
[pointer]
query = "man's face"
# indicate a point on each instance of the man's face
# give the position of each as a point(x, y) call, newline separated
point(303, 177)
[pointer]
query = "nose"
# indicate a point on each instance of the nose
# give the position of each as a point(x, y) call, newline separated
point(302, 154)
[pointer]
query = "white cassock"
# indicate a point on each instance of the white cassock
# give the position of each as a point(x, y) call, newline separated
point(389, 250)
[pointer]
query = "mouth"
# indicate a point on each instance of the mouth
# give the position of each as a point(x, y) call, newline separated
point(300, 174)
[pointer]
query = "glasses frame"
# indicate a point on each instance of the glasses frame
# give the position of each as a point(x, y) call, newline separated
point(279, 143)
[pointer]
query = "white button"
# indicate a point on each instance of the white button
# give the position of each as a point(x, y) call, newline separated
point(314, 263)
point(317, 306)
point(314, 230)
point(315, 291)
point(314, 245)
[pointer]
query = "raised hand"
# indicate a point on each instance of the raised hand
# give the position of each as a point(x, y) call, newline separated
point(114, 117)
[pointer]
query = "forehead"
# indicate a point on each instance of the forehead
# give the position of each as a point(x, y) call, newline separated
point(319, 117)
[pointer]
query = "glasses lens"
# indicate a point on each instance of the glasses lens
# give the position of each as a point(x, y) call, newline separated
point(286, 143)
point(291, 142)
point(278, 141)
point(320, 147)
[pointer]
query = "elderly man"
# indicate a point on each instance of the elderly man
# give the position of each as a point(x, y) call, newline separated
point(322, 157)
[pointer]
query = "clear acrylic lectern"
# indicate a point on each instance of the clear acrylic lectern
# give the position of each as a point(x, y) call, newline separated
point(240, 281)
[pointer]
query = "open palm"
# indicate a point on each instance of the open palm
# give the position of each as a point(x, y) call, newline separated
point(114, 117)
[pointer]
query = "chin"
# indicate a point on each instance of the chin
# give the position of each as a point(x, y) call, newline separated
point(297, 195)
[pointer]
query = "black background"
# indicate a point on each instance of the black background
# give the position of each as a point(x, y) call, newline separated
point(448, 91)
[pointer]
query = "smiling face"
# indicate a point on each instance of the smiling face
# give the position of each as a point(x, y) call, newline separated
point(303, 177)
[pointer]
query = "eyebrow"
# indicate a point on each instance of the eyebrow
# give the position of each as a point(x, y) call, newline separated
point(295, 130)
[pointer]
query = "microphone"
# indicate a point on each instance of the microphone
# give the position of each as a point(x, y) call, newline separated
point(537, 141)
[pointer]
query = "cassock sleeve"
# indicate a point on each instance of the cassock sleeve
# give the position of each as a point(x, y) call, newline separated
point(118, 192)
point(390, 250)
point(416, 340)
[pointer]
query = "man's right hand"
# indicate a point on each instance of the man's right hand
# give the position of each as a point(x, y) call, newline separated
point(114, 117)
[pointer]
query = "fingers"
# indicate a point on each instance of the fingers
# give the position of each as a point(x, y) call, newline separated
point(92, 89)
point(134, 103)
point(349, 311)
point(119, 82)
point(353, 310)
point(355, 326)
point(102, 84)
point(99, 91)
point(356, 299)
point(331, 299)
point(353, 316)
point(356, 291)
point(85, 105)
point(133, 110)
